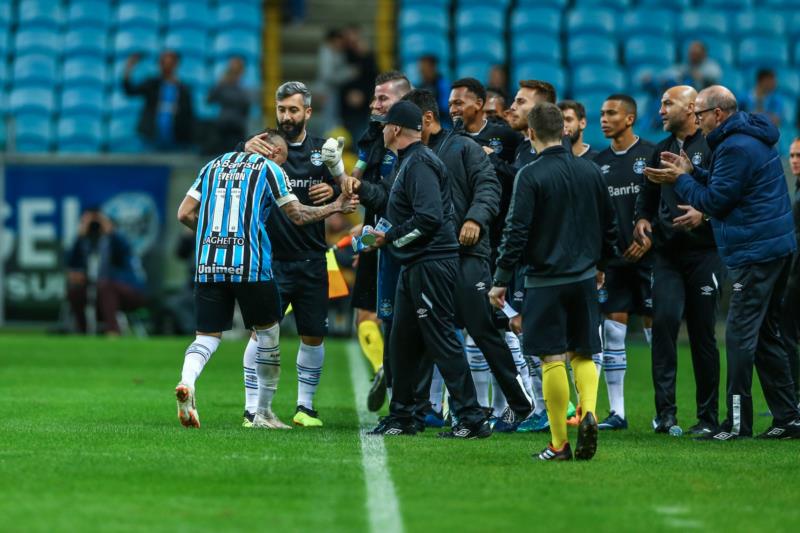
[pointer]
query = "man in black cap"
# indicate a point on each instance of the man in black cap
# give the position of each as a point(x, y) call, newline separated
point(422, 238)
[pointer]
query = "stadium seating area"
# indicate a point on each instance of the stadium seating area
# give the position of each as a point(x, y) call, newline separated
point(590, 48)
point(61, 64)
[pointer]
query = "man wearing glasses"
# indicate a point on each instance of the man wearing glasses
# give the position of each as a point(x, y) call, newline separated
point(745, 194)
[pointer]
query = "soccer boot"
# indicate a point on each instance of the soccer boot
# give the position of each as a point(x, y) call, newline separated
point(266, 419)
point(434, 419)
point(613, 422)
point(790, 430)
point(306, 417)
point(377, 392)
point(571, 410)
point(700, 429)
point(536, 423)
point(248, 419)
point(551, 454)
point(479, 430)
point(661, 424)
point(389, 425)
point(587, 438)
point(508, 422)
point(187, 413)
point(575, 420)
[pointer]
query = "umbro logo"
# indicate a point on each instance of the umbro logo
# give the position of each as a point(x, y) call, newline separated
point(775, 432)
point(519, 294)
point(724, 436)
point(461, 433)
point(706, 290)
point(605, 168)
point(481, 286)
point(422, 312)
point(737, 287)
point(393, 431)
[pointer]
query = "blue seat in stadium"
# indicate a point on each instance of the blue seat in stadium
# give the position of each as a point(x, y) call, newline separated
point(792, 23)
point(240, 16)
point(35, 70)
point(5, 14)
point(429, 18)
point(485, 19)
point(618, 5)
point(82, 101)
point(122, 105)
point(202, 108)
point(89, 13)
point(761, 22)
point(480, 47)
point(189, 15)
point(653, 50)
point(3, 42)
point(238, 43)
point(86, 41)
point(33, 132)
point(591, 21)
point(530, 47)
point(650, 21)
point(32, 41)
point(188, 42)
point(138, 14)
point(4, 78)
point(763, 51)
point(783, 3)
point(535, 70)
point(789, 82)
point(84, 72)
point(194, 71)
point(136, 40)
point(80, 134)
point(674, 5)
point(540, 21)
point(30, 101)
point(500, 3)
point(692, 25)
point(474, 69)
point(789, 114)
point(415, 45)
point(734, 80)
point(593, 78)
point(43, 13)
point(250, 79)
point(144, 69)
point(557, 4)
point(591, 49)
point(727, 5)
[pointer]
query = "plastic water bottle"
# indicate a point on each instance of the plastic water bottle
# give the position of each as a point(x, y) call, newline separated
point(675, 431)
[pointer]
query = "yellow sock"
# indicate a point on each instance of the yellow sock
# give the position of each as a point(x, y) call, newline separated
point(555, 387)
point(586, 381)
point(371, 341)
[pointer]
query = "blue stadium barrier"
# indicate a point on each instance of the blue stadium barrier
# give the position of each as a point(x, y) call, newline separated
point(33, 132)
point(85, 72)
point(36, 69)
point(88, 13)
point(527, 47)
point(136, 40)
point(189, 42)
point(652, 50)
point(485, 19)
point(763, 51)
point(539, 21)
point(189, 15)
point(32, 41)
point(139, 14)
point(86, 41)
point(82, 101)
point(600, 22)
point(45, 13)
point(592, 49)
point(758, 23)
point(588, 79)
point(424, 17)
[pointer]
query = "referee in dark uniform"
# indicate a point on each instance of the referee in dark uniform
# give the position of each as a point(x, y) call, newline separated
point(298, 252)
point(687, 272)
point(562, 226)
point(476, 196)
point(423, 240)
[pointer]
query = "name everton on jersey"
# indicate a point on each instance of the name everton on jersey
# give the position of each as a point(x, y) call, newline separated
point(236, 192)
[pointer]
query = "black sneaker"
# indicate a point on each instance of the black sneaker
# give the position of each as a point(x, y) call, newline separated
point(700, 429)
point(661, 424)
point(509, 421)
point(785, 431)
point(391, 426)
point(551, 454)
point(587, 438)
point(377, 392)
point(480, 430)
point(719, 436)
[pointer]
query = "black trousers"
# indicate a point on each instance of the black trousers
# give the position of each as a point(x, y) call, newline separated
point(424, 326)
point(753, 336)
point(790, 322)
point(686, 284)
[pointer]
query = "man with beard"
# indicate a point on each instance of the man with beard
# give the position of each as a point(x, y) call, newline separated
point(298, 252)
point(372, 177)
point(687, 272)
point(574, 124)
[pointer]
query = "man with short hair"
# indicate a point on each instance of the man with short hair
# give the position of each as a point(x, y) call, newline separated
point(495, 106)
point(748, 201)
point(791, 301)
point(227, 206)
point(628, 279)
point(422, 237)
point(574, 124)
point(687, 272)
point(562, 226)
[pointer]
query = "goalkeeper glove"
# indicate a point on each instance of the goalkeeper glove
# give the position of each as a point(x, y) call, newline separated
point(332, 156)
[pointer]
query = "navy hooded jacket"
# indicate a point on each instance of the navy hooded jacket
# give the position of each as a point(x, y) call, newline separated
point(746, 193)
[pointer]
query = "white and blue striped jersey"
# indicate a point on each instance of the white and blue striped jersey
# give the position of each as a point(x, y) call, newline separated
point(236, 191)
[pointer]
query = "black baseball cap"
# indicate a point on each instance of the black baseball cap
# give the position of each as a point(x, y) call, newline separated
point(404, 114)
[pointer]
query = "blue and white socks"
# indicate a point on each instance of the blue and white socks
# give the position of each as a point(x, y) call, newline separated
point(197, 355)
point(615, 362)
point(268, 366)
point(309, 369)
point(480, 371)
point(250, 376)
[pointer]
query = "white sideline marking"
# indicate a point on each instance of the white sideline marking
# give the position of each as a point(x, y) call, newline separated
point(382, 505)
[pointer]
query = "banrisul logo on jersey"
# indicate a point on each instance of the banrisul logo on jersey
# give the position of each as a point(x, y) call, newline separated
point(316, 158)
point(639, 165)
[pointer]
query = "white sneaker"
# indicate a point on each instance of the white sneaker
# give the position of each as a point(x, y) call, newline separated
point(268, 419)
point(187, 413)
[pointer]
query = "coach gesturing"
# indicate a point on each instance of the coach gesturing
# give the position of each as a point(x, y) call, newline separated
point(748, 201)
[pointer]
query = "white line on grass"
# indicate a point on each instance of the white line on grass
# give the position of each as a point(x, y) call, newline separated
point(382, 505)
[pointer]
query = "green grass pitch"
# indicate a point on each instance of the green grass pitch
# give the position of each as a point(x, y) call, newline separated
point(89, 441)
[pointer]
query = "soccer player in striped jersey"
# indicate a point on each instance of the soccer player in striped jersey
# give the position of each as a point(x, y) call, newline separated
point(228, 206)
